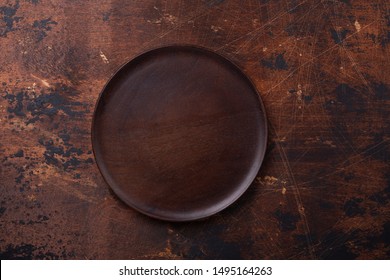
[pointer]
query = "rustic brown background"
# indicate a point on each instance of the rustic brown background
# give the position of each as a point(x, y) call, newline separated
point(322, 68)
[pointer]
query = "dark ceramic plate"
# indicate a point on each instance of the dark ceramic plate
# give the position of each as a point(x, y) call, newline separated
point(179, 133)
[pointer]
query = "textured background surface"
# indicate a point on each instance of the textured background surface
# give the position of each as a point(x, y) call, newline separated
point(322, 68)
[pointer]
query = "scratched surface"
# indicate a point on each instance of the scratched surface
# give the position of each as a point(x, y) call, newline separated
point(322, 70)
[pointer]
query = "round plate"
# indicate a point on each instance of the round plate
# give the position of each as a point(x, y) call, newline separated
point(179, 133)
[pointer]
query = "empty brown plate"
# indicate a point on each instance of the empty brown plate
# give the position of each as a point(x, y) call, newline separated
point(179, 133)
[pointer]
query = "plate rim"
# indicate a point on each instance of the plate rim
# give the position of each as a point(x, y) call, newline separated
point(113, 186)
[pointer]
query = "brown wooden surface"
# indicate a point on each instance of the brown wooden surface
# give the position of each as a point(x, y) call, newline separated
point(322, 68)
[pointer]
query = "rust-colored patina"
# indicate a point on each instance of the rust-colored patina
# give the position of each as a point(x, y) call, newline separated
point(320, 67)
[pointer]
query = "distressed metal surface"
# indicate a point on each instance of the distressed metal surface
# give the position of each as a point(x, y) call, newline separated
point(322, 68)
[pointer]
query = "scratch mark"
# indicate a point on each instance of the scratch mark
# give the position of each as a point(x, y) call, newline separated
point(311, 60)
point(254, 34)
point(44, 82)
point(297, 195)
point(197, 14)
point(104, 58)
point(330, 143)
point(354, 64)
